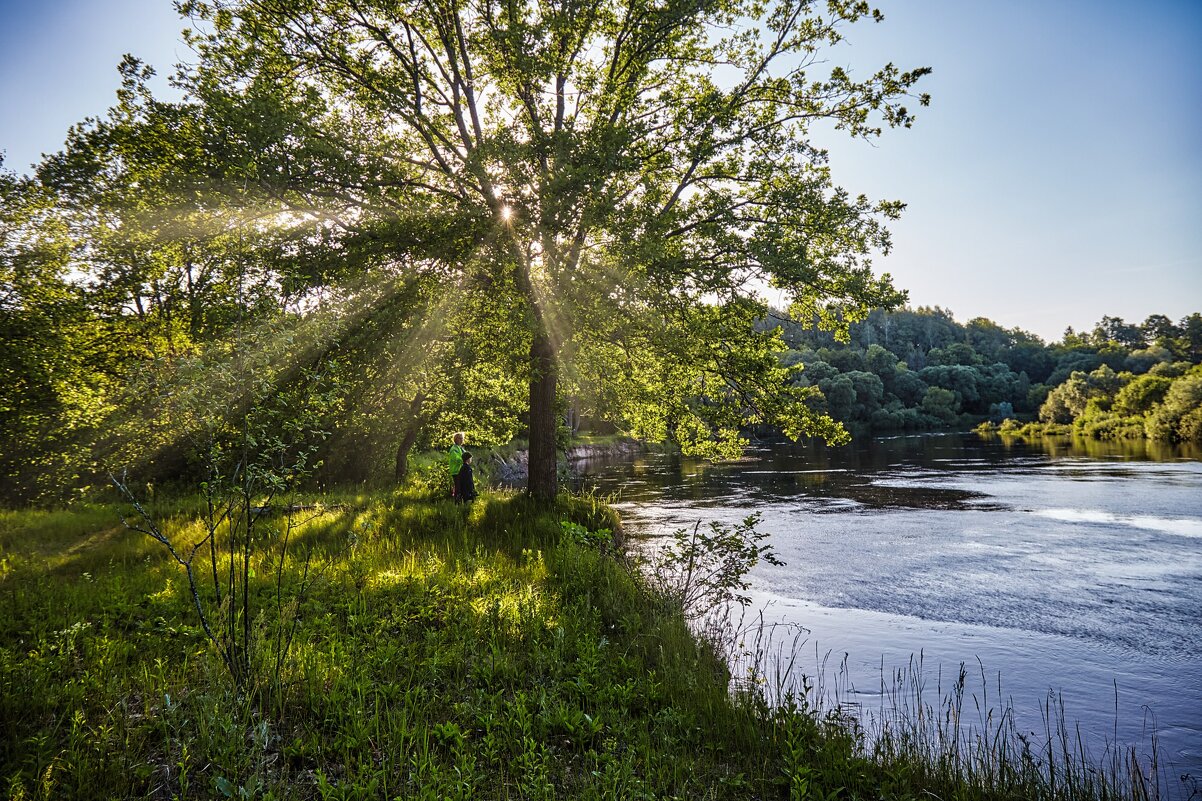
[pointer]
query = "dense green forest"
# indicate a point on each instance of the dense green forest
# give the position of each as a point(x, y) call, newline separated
point(140, 347)
point(920, 369)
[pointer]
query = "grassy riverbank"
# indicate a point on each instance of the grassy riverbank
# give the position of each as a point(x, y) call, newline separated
point(436, 652)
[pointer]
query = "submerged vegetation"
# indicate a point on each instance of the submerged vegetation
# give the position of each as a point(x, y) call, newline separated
point(506, 650)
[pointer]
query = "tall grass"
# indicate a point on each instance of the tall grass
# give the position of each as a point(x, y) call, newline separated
point(441, 651)
point(957, 739)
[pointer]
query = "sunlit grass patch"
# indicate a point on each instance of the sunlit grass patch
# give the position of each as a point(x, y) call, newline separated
point(51, 539)
point(437, 641)
point(501, 650)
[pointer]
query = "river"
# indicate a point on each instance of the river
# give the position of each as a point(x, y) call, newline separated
point(1055, 572)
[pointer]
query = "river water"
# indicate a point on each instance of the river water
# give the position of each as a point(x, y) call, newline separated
point(1070, 574)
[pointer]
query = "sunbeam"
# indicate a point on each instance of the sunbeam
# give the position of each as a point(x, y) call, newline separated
point(399, 317)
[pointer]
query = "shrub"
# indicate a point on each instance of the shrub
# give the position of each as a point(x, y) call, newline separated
point(1179, 417)
point(1141, 394)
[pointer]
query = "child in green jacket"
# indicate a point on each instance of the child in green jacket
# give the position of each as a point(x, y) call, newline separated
point(455, 461)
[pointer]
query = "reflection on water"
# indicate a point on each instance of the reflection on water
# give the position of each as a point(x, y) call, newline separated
point(1134, 449)
point(1062, 564)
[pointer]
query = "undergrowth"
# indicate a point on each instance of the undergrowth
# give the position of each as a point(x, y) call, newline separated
point(498, 651)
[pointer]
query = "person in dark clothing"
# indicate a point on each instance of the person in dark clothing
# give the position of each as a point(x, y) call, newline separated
point(465, 482)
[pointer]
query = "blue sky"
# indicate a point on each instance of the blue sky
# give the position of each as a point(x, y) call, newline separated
point(1056, 177)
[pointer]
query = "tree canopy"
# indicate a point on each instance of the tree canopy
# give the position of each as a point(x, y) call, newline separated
point(438, 203)
point(622, 176)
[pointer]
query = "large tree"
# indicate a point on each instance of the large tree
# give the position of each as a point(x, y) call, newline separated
point(627, 174)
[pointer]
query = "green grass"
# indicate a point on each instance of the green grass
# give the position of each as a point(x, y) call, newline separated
point(440, 652)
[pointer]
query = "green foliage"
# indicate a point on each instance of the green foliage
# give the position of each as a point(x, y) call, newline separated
point(538, 203)
point(1142, 360)
point(1068, 401)
point(940, 403)
point(705, 570)
point(436, 656)
point(56, 363)
point(1141, 394)
point(1179, 417)
point(601, 539)
point(568, 228)
point(989, 371)
point(1110, 406)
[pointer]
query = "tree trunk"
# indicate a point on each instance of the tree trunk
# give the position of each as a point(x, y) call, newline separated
point(402, 451)
point(544, 479)
point(412, 426)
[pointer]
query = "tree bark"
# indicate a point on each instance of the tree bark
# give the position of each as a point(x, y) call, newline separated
point(412, 426)
point(543, 483)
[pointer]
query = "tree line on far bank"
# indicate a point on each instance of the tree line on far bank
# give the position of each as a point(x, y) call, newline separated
point(919, 369)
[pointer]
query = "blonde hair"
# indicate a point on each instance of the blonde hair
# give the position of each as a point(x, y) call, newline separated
point(458, 437)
